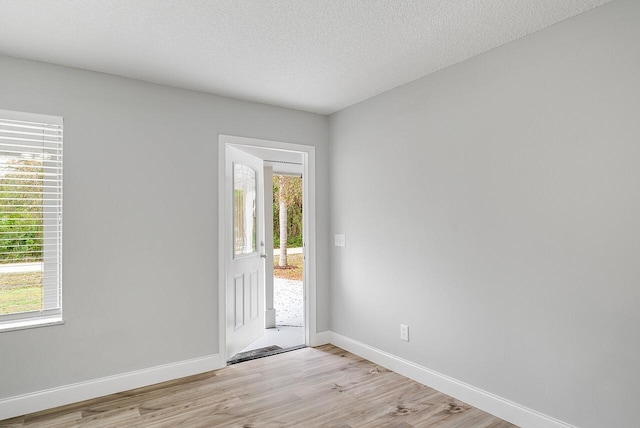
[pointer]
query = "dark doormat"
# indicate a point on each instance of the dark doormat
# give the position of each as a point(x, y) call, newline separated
point(261, 353)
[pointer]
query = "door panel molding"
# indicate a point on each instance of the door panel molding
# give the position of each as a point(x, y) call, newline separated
point(238, 298)
point(253, 295)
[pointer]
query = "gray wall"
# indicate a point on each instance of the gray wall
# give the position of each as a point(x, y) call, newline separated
point(495, 208)
point(140, 220)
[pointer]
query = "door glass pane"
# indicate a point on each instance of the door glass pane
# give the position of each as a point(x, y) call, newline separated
point(244, 209)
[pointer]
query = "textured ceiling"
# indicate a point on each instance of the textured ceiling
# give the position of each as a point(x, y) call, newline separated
point(314, 55)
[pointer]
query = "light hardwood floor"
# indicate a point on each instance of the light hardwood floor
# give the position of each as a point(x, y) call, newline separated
point(310, 387)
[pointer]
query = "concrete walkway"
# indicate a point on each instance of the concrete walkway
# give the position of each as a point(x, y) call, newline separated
point(288, 302)
point(20, 267)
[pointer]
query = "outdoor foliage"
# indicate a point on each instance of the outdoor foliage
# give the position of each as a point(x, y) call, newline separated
point(293, 196)
point(20, 212)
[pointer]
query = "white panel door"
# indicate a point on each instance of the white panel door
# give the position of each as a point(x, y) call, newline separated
point(245, 256)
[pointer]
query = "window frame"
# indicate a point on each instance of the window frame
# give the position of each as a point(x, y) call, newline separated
point(52, 259)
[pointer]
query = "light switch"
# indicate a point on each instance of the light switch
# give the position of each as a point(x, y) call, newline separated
point(340, 241)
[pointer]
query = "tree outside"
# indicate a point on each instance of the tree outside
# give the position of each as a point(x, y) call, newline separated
point(287, 215)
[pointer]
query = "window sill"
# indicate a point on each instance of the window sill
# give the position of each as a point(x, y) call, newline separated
point(30, 323)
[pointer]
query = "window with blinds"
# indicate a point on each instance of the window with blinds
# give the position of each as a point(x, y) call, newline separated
point(30, 220)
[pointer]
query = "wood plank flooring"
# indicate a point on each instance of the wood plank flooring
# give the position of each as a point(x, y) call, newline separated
point(312, 387)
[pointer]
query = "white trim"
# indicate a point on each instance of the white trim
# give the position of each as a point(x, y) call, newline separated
point(269, 318)
point(309, 230)
point(322, 338)
point(32, 117)
point(309, 239)
point(222, 247)
point(25, 323)
point(483, 400)
point(60, 396)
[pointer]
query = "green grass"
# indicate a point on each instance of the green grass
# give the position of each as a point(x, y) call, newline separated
point(20, 292)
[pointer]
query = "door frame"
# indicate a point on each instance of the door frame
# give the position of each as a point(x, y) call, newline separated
point(308, 231)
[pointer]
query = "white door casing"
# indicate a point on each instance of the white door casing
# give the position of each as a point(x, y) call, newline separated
point(270, 312)
point(309, 232)
point(245, 263)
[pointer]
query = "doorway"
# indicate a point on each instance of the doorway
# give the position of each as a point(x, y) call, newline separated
point(240, 303)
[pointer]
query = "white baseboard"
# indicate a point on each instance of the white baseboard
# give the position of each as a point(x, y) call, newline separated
point(483, 400)
point(322, 338)
point(50, 398)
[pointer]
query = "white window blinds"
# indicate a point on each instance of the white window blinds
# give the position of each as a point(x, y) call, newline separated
point(30, 219)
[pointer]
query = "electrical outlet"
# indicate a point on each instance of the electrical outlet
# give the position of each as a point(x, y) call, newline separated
point(339, 241)
point(404, 332)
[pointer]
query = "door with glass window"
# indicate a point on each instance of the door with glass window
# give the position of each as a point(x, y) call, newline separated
point(245, 273)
